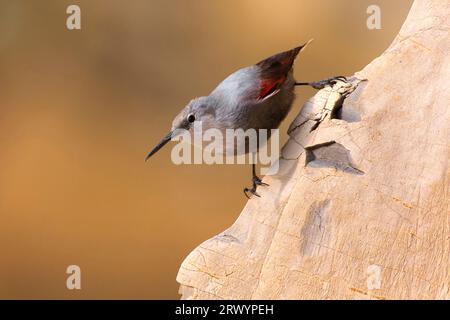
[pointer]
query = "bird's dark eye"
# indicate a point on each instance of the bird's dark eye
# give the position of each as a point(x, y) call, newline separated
point(191, 118)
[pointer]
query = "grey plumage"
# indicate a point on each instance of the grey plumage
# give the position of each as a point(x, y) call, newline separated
point(237, 102)
point(255, 97)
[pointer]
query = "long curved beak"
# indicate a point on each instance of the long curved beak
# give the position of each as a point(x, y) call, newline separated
point(161, 144)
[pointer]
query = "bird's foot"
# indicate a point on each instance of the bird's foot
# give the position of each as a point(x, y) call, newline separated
point(252, 191)
point(327, 82)
point(257, 181)
point(323, 83)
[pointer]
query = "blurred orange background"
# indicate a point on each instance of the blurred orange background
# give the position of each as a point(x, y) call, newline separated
point(81, 109)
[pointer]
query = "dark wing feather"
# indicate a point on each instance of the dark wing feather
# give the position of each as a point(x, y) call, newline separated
point(274, 70)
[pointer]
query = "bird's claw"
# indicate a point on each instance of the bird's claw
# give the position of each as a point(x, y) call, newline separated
point(256, 182)
point(251, 191)
point(327, 82)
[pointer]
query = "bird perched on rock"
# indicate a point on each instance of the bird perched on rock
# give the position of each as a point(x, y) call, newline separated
point(255, 97)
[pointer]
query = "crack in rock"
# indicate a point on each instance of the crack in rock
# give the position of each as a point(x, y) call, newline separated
point(330, 155)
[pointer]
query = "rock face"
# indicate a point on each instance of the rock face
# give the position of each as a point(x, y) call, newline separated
point(361, 206)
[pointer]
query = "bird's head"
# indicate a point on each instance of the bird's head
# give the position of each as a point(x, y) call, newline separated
point(198, 109)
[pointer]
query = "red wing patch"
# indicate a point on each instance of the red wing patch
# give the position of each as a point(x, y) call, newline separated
point(269, 86)
point(274, 71)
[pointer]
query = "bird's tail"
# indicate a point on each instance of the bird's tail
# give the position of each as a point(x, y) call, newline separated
point(278, 65)
point(301, 48)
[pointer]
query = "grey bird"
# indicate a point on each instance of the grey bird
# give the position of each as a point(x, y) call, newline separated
point(258, 97)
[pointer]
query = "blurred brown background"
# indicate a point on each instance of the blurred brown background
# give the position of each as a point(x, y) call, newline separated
point(80, 110)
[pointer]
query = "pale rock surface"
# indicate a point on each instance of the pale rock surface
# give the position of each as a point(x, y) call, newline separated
point(361, 206)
